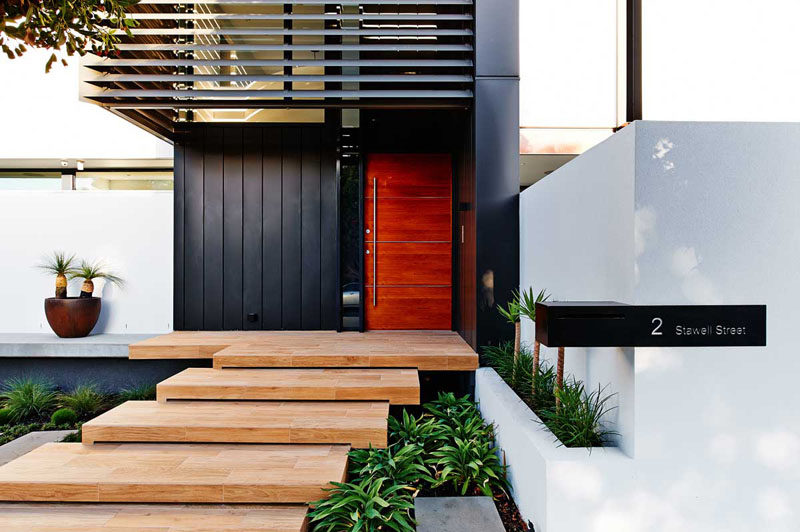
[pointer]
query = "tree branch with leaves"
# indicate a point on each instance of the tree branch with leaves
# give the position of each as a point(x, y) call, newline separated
point(64, 26)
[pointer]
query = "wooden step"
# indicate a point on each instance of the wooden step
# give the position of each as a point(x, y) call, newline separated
point(65, 517)
point(424, 350)
point(173, 473)
point(398, 386)
point(422, 355)
point(359, 424)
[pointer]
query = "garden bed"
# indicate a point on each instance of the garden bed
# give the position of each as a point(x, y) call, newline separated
point(447, 451)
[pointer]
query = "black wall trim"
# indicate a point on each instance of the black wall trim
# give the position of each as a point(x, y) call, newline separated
point(256, 240)
point(634, 61)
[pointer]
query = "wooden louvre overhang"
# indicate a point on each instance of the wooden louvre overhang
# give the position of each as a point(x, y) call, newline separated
point(184, 59)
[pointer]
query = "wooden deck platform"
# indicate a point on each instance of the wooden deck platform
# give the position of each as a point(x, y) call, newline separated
point(424, 350)
point(397, 386)
point(68, 517)
point(359, 424)
point(167, 473)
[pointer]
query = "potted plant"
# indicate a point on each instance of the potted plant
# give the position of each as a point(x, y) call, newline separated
point(74, 317)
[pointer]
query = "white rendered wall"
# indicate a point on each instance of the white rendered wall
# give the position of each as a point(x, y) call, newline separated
point(43, 118)
point(130, 230)
point(711, 216)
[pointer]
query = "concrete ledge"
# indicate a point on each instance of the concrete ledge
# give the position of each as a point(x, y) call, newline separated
point(43, 345)
point(558, 489)
point(32, 440)
point(457, 514)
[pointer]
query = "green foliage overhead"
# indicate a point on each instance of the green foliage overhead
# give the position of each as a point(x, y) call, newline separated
point(367, 505)
point(58, 263)
point(63, 416)
point(28, 399)
point(71, 26)
point(85, 400)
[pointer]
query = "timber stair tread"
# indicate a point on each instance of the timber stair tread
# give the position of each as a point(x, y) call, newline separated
point(424, 358)
point(360, 424)
point(427, 351)
point(395, 385)
point(174, 473)
point(72, 517)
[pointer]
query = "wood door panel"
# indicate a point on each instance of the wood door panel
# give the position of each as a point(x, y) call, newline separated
point(409, 175)
point(409, 263)
point(409, 308)
point(405, 219)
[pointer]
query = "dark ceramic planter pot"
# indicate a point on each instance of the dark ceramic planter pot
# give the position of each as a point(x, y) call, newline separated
point(72, 317)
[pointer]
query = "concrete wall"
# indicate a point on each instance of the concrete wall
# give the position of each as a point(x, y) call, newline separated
point(130, 230)
point(710, 216)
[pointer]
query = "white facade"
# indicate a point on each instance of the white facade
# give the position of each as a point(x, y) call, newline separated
point(675, 213)
point(131, 231)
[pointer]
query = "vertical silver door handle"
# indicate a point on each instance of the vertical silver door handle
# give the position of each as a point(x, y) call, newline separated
point(374, 241)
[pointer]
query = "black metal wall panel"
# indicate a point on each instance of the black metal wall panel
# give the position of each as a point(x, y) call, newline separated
point(192, 275)
point(271, 229)
point(252, 253)
point(256, 209)
point(178, 224)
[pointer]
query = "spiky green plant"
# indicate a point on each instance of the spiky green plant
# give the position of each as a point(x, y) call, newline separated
point(28, 399)
point(512, 312)
point(61, 265)
point(85, 400)
point(577, 421)
point(88, 271)
point(138, 392)
point(368, 505)
point(528, 309)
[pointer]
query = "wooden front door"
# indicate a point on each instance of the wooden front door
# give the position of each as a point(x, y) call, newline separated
point(408, 241)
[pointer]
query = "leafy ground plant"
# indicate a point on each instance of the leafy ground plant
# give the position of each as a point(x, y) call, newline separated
point(422, 430)
point(367, 505)
point(85, 400)
point(469, 465)
point(404, 464)
point(28, 399)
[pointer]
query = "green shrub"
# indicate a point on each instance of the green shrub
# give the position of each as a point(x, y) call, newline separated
point(73, 437)
point(139, 392)
point(423, 431)
point(28, 399)
point(5, 416)
point(368, 505)
point(577, 422)
point(403, 464)
point(64, 416)
point(86, 400)
point(469, 465)
point(450, 409)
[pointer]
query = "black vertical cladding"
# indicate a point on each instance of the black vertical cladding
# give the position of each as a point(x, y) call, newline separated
point(252, 179)
point(213, 234)
point(271, 229)
point(292, 234)
point(178, 263)
point(257, 217)
point(329, 231)
point(192, 277)
point(310, 227)
point(232, 232)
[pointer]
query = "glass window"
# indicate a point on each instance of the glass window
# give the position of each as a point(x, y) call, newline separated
point(124, 181)
point(30, 181)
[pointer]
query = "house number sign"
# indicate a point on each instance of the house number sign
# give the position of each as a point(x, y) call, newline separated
point(612, 324)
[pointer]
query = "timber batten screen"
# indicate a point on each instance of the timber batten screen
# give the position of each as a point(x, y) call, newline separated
point(184, 59)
